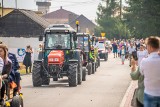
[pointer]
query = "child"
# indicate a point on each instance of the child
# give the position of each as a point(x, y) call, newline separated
point(123, 54)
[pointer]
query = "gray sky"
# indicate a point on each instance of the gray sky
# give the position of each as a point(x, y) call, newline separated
point(85, 7)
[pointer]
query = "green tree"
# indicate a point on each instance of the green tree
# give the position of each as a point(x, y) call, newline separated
point(142, 17)
point(108, 23)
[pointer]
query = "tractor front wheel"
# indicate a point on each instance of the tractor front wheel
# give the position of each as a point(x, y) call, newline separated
point(73, 75)
point(89, 67)
point(84, 74)
point(36, 74)
point(93, 67)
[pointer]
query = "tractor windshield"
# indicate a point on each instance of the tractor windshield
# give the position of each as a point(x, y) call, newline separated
point(82, 43)
point(57, 41)
point(101, 45)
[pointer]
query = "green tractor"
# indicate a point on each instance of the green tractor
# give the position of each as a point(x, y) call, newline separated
point(60, 57)
point(85, 43)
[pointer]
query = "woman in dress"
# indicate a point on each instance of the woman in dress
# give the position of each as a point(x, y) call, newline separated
point(27, 59)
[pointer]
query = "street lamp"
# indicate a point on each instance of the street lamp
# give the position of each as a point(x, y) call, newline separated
point(2, 8)
point(77, 24)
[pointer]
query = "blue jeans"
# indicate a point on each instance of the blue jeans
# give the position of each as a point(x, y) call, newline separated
point(151, 101)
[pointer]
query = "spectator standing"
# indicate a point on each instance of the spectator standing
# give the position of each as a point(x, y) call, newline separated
point(137, 44)
point(142, 53)
point(114, 46)
point(123, 52)
point(27, 59)
point(40, 52)
point(131, 49)
point(149, 67)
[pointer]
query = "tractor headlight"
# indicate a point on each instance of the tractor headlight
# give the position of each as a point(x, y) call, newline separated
point(56, 59)
point(53, 59)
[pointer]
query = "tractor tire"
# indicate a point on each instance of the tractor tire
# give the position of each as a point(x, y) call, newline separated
point(84, 74)
point(93, 68)
point(45, 80)
point(89, 68)
point(79, 74)
point(16, 102)
point(98, 62)
point(55, 79)
point(96, 67)
point(105, 57)
point(36, 74)
point(73, 75)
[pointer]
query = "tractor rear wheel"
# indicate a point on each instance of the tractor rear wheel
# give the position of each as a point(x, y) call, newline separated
point(89, 68)
point(73, 75)
point(106, 57)
point(79, 74)
point(98, 62)
point(93, 68)
point(55, 79)
point(36, 74)
point(84, 74)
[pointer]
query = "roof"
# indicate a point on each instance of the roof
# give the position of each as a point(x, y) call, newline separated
point(83, 20)
point(33, 16)
point(60, 27)
point(59, 14)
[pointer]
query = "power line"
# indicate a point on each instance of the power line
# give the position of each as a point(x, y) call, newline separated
point(74, 4)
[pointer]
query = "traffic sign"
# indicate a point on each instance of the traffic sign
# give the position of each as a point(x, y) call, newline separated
point(103, 34)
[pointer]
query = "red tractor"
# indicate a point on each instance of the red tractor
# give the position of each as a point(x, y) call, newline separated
point(60, 57)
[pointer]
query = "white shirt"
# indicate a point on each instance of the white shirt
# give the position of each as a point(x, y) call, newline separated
point(1, 65)
point(150, 68)
point(141, 55)
point(131, 49)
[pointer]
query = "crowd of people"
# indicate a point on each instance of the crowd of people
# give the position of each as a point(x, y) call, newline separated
point(125, 48)
point(144, 60)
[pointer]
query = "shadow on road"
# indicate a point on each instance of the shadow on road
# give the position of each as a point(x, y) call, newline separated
point(53, 84)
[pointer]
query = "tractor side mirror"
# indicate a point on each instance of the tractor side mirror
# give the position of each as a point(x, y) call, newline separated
point(40, 38)
point(75, 38)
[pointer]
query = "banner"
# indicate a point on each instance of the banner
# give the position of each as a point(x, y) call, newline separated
point(20, 53)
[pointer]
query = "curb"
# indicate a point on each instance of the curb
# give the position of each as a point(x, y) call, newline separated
point(126, 101)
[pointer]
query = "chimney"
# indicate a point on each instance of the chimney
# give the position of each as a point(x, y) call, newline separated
point(61, 7)
point(43, 6)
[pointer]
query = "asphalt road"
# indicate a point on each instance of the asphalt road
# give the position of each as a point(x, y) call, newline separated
point(105, 88)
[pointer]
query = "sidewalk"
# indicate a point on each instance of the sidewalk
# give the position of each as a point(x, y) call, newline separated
point(126, 101)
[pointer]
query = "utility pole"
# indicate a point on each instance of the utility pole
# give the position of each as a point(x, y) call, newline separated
point(2, 8)
point(120, 9)
point(16, 3)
